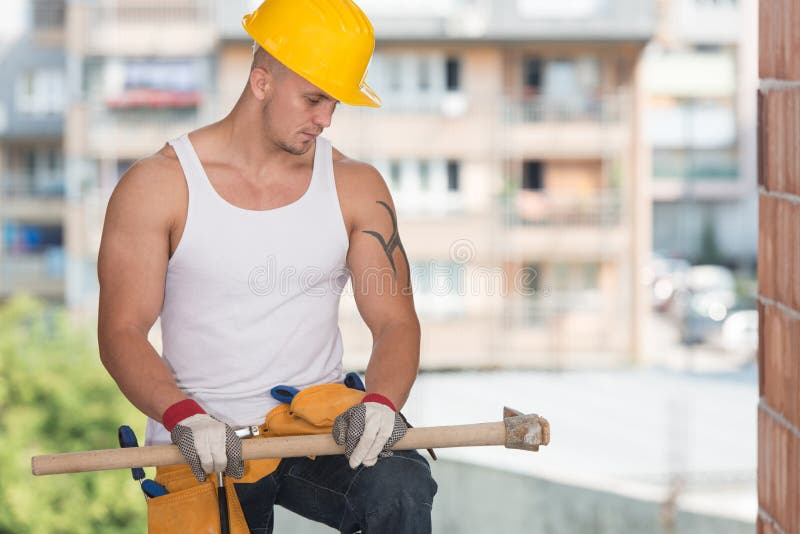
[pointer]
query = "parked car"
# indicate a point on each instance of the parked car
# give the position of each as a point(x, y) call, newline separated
point(738, 334)
point(707, 296)
point(666, 277)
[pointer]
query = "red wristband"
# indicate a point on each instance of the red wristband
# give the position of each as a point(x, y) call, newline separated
point(180, 411)
point(377, 397)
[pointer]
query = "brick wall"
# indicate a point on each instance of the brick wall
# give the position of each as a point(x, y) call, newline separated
point(779, 267)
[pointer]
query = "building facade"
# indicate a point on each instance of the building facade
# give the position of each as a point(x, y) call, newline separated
point(32, 168)
point(700, 76)
point(510, 138)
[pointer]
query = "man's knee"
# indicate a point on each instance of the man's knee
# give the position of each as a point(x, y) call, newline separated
point(401, 481)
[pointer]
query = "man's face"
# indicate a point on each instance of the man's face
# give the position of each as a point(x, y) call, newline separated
point(296, 112)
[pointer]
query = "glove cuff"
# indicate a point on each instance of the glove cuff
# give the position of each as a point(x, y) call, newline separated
point(380, 399)
point(180, 411)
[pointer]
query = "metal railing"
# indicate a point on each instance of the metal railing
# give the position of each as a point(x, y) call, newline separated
point(555, 108)
point(150, 11)
point(541, 208)
point(19, 185)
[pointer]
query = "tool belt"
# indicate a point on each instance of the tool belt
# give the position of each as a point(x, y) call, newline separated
point(191, 506)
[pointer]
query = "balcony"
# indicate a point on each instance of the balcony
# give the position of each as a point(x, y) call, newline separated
point(541, 224)
point(138, 27)
point(611, 108)
point(704, 22)
point(39, 274)
point(486, 126)
point(132, 133)
point(38, 186)
point(561, 328)
point(514, 20)
point(541, 208)
point(579, 125)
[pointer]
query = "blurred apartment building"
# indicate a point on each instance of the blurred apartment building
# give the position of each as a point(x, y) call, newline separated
point(32, 170)
point(510, 137)
point(701, 81)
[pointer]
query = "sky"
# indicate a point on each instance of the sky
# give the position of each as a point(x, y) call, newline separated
point(12, 18)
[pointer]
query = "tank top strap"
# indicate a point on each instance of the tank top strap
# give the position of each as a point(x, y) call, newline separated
point(190, 163)
point(323, 164)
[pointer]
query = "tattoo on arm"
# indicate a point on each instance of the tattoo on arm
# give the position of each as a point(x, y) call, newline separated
point(392, 243)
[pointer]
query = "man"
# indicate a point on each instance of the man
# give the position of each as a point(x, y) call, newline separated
point(240, 236)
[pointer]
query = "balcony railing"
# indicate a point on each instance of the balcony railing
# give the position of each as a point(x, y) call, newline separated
point(36, 185)
point(696, 165)
point(549, 304)
point(151, 11)
point(40, 274)
point(138, 27)
point(554, 108)
point(542, 208)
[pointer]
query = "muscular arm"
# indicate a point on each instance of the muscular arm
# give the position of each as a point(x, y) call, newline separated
point(132, 267)
point(382, 290)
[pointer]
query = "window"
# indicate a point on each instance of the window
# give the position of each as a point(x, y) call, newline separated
point(532, 74)
point(453, 74)
point(40, 92)
point(394, 174)
point(424, 175)
point(532, 176)
point(591, 275)
point(48, 14)
point(424, 74)
point(395, 73)
point(24, 238)
point(453, 175)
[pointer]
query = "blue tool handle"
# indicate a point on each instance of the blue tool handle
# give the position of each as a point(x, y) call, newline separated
point(127, 438)
point(151, 488)
point(284, 394)
point(353, 381)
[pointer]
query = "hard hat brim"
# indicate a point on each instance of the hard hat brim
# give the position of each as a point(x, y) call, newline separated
point(365, 97)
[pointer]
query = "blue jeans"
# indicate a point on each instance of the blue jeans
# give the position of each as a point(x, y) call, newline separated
point(393, 496)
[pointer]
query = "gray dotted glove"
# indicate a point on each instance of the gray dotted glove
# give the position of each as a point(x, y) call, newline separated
point(368, 431)
point(209, 446)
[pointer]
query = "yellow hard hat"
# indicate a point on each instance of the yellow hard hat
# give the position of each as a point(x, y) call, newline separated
point(327, 42)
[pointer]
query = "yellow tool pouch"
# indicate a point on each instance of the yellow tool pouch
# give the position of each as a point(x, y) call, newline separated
point(312, 411)
point(192, 506)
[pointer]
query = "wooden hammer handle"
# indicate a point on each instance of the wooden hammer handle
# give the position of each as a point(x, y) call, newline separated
point(282, 447)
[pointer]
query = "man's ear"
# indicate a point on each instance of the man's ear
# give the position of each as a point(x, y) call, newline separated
point(261, 81)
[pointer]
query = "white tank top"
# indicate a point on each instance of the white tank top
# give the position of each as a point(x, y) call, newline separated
point(252, 297)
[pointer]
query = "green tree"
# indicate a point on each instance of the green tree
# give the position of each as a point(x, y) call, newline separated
point(55, 397)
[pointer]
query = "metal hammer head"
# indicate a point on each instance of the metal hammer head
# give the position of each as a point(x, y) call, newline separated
point(525, 431)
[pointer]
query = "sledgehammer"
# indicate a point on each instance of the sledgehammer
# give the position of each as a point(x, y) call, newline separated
point(516, 431)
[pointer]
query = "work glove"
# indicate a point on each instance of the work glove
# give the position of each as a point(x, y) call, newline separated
point(368, 430)
point(207, 444)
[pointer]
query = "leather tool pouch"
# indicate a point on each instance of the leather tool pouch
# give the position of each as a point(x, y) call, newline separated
point(312, 411)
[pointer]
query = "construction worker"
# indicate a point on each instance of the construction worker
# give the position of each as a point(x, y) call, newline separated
point(241, 236)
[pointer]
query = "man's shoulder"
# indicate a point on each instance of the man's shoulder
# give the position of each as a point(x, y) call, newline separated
point(154, 175)
point(357, 178)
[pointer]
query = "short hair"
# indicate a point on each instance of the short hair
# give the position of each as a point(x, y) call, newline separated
point(262, 58)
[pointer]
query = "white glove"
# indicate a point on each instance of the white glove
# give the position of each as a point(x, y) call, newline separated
point(208, 446)
point(367, 431)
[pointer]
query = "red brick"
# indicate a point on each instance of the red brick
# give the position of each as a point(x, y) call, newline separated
point(774, 344)
point(784, 236)
point(794, 270)
point(779, 39)
point(760, 138)
point(780, 371)
point(761, 358)
point(779, 138)
point(766, 245)
point(777, 453)
point(792, 369)
point(764, 527)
